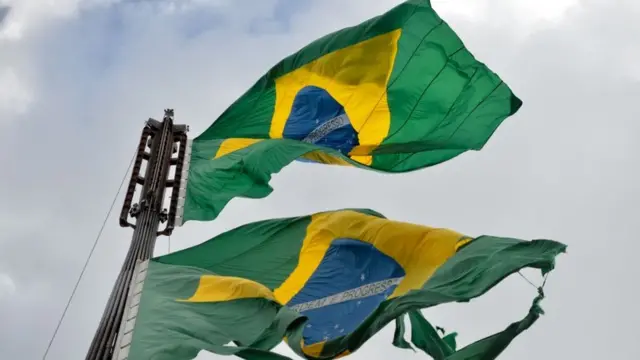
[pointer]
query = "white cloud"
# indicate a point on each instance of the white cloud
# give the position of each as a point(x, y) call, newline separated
point(15, 96)
point(7, 286)
point(524, 9)
point(523, 17)
point(28, 14)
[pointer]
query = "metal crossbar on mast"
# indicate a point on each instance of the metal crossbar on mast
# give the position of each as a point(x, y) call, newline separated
point(159, 142)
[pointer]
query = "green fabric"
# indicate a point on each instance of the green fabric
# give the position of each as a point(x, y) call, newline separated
point(244, 173)
point(265, 251)
point(170, 330)
point(426, 338)
point(167, 329)
point(490, 347)
point(398, 335)
point(442, 101)
point(450, 340)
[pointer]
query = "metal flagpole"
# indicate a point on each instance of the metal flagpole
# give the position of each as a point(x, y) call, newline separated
point(160, 140)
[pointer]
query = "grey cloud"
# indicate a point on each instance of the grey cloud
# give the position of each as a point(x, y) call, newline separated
point(4, 11)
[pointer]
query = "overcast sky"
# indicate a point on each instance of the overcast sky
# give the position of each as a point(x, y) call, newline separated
point(78, 78)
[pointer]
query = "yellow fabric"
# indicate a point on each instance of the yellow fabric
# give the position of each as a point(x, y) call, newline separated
point(322, 157)
point(313, 349)
point(214, 288)
point(234, 144)
point(462, 242)
point(316, 349)
point(420, 250)
point(357, 77)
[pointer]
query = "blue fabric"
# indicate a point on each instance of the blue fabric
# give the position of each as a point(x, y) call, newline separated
point(348, 264)
point(313, 107)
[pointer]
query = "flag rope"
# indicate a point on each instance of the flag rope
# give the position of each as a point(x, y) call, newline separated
point(540, 288)
point(86, 264)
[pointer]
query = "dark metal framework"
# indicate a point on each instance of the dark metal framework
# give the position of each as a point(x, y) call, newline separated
point(160, 140)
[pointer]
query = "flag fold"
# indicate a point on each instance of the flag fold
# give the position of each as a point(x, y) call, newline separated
point(325, 283)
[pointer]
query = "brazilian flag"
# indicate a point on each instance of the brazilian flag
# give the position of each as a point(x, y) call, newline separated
point(396, 93)
point(325, 283)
